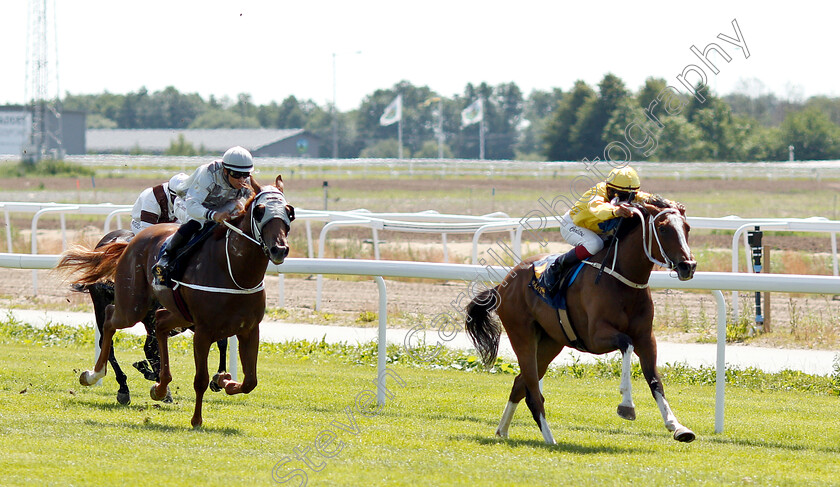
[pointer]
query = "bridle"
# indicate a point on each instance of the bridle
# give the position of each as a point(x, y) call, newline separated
point(274, 202)
point(650, 234)
point(275, 208)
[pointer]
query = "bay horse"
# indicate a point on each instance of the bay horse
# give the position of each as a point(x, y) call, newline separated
point(221, 292)
point(609, 312)
point(101, 295)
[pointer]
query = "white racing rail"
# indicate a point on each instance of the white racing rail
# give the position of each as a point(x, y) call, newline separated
point(430, 221)
point(712, 281)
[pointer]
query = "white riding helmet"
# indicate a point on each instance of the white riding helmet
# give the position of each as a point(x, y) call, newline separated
point(238, 159)
point(178, 185)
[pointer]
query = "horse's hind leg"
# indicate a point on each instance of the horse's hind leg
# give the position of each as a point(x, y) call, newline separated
point(547, 349)
point(646, 352)
point(214, 382)
point(100, 368)
point(165, 322)
point(150, 367)
point(101, 296)
point(524, 341)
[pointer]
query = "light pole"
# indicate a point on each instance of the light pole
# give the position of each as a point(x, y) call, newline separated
point(335, 110)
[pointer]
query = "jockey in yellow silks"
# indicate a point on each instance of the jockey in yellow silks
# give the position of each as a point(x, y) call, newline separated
point(597, 212)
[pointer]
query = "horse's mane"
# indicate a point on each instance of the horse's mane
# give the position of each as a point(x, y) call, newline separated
point(219, 232)
point(629, 224)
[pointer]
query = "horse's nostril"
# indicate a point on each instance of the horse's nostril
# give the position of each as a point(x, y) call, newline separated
point(279, 252)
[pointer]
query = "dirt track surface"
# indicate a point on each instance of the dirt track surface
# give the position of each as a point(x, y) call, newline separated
point(799, 321)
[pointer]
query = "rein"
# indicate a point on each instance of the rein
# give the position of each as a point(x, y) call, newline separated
point(257, 241)
point(648, 235)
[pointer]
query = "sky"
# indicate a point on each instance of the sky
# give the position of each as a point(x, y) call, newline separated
point(271, 49)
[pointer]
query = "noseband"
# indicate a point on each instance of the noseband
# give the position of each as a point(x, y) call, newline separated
point(650, 233)
point(275, 208)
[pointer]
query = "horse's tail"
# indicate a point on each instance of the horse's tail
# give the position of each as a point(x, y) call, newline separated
point(484, 330)
point(93, 265)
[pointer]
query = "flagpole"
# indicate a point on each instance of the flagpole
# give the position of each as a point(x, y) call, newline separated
point(399, 136)
point(481, 133)
point(440, 128)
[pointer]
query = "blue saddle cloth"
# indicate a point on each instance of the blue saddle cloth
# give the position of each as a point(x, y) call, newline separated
point(544, 279)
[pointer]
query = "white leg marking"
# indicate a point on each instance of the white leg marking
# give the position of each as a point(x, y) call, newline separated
point(507, 416)
point(546, 431)
point(626, 388)
point(667, 415)
point(90, 377)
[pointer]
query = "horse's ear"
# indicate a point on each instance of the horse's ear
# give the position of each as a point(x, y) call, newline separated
point(649, 208)
point(278, 182)
point(290, 210)
point(680, 207)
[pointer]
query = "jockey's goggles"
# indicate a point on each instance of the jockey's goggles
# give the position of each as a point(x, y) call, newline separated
point(238, 174)
point(622, 195)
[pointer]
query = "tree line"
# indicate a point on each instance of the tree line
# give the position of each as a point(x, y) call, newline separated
point(544, 125)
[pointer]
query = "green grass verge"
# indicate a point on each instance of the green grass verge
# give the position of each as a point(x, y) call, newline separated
point(437, 430)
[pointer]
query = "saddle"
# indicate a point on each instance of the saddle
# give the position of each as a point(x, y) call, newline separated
point(177, 266)
point(544, 280)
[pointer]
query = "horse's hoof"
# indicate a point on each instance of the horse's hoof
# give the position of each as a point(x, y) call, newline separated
point(196, 423)
point(214, 383)
point(124, 398)
point(168, 398)
point(684, 434)
point(87, 378)
point(499, 434)
point(155, 397)
point(627, 412)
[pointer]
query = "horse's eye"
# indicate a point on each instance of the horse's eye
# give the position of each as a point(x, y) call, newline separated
point(259, 212)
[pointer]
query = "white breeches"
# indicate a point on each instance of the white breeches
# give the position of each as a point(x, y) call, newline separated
point(576, 235)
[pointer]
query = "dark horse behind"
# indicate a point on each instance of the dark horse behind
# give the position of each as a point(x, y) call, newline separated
point(613, 312)
point(101, 295)
point(221, 292)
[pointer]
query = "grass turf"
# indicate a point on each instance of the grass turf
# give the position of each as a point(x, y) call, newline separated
point(437, 430)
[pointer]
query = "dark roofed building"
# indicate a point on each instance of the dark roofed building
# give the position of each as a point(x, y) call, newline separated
point(16, 130)
point(261, 142)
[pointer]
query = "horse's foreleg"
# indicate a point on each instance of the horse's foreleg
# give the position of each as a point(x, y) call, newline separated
point(201, 348)
point(647, 359)
point(248, 347)
point(123, 394)
point(214, 382)
point(150, 368)
point(223, 347)
point(626, 409)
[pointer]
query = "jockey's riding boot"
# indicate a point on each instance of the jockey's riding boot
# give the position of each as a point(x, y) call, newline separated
point(566, 262)
point(160, 271)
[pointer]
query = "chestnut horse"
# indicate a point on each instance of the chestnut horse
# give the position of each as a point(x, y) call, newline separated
point(610, 312)
point(221, 292)
point(101, 295)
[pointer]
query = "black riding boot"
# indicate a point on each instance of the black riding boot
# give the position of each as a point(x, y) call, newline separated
point(561, 265)
point(160, 271)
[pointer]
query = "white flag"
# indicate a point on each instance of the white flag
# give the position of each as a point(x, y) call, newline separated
point(393, 112)
point(473, 113)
